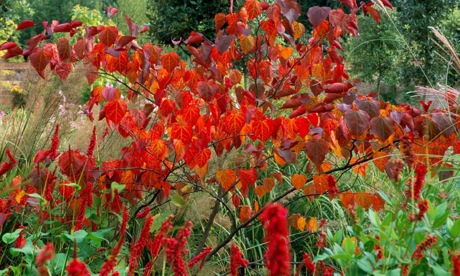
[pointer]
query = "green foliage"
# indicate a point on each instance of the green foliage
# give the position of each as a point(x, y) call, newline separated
point(374, 55)
point(172, 20)
point(421, 65)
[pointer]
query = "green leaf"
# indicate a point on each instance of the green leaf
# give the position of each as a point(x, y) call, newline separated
point(11, 237)
point(349, 246)
point(77, 236)
point(58, 263)
point(455, 229)
point(177, 200)
point(321, 257)
point(365, 266)
point(35, 195)
point(159, 219)
point(439, 270)
point(98, 236)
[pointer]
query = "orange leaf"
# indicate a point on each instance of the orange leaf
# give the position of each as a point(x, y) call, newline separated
point(278, 176)
point(321, 183)
point(298, 180)
point(253, 8)
point(310, 192)
point(269, 183)
point(247, 43)
point(201, 172)
point(158, 149)
point(115, 110)
point(299, 30)
point(380, 160)
point(170, 61)
point(245, 213)
point(301, 222)
point(226, 178)
point(260, 191)
point(312, 225)
point(183, 133)
point(234, 122)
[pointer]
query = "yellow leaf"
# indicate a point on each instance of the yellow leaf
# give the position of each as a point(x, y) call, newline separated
point(298, 180)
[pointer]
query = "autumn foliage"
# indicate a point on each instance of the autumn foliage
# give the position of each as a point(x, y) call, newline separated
point(264, 89)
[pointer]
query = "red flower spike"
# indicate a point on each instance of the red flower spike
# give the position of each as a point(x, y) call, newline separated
point(199, 257)
point(277, 257)
point(136, 250)
point(236, 260)
point(77, 268)
point(108, 266)
point(418, 253)
point(46, 254)
point(308, 263)
point(415, 187)
point(456, 265)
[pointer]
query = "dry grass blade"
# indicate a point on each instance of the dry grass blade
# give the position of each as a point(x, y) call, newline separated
point(447, 48)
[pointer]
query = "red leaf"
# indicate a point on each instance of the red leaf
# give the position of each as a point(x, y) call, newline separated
point(25, 24)
point(317, 14)
point(357, 121)
point(64, 49)
point(220, 20)
point(7, 45)
point(316, 150)
point(253, 7)
point(170, 61)
point(63, 70)
point(111, 11)
point(123, 41)
point(13, 52)
point(109, 36)
point(133, 28)
point(63, 28)
point(367, 8)
point(183, 133)
point(40, 59)
point(387, 4)
point(263, 129)
point(72, 163)
point(382, 127)
point(207, 89)
point(6, 166)
point(234, 122)
point(201, 159)
point(115, 111)
point(223, 42)
point(349, 3)
point(248, 177)
point(337, 88)
point(194, 38)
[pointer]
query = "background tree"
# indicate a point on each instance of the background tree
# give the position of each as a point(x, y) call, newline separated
point(173, 19)
point(382, 47)
point(422, 66)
